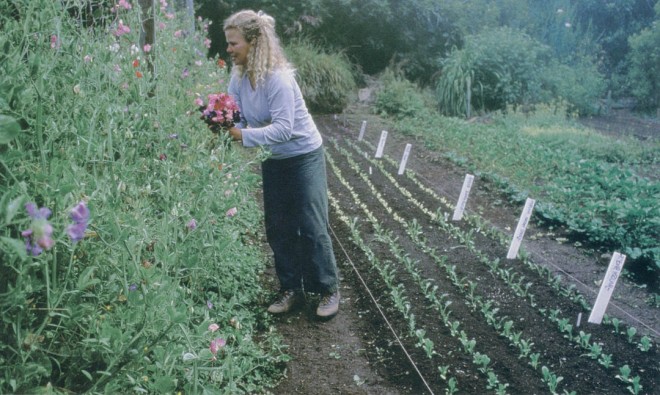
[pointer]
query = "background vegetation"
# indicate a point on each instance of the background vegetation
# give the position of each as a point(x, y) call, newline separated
point(599, 46)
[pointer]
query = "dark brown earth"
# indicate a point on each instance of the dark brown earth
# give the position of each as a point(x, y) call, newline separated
point(367, 347)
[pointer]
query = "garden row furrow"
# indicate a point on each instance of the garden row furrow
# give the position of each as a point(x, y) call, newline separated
point(525, 264)
point(477, 304)
point(487, 313)
point(473, 221)
point(550, 290)
point(403, 298)
point(509, 303)
point(592, 348)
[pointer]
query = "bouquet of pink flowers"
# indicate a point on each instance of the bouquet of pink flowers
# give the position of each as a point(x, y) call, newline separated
point(221, 111)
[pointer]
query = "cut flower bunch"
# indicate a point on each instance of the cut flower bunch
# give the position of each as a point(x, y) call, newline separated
point(221, 112)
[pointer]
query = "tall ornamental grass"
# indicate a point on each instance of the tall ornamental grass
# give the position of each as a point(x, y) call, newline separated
point(327, 81)
point(128, 253)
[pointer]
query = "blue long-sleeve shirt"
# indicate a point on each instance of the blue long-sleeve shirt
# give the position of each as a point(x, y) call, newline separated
point(274, 115)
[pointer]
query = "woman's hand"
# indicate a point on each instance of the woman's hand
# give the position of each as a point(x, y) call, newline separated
point(235, 133)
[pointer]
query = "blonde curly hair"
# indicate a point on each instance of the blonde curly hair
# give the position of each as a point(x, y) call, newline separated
point(265, 54)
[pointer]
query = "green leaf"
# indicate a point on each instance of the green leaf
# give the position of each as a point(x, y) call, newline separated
point(87, 279)
point(9, 129)
point(17, 246)
point(12, 208)
point(87, 374)
point(164, 384)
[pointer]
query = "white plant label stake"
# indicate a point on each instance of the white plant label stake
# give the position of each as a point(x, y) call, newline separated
point(362, 130)
point(404, 160)
point(520, 229)
point(607, 287)
point(381, 144)
point(463, 198)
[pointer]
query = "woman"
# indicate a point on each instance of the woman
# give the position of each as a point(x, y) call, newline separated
point(274, 115)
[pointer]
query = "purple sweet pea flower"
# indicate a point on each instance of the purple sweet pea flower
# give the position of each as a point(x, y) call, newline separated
point(39, 236)
point(42, 213)
point(192, 224)
point(80, 213)
point(76, 231)
point(80, 216)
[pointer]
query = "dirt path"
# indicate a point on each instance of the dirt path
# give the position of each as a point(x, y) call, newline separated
point(358, 353)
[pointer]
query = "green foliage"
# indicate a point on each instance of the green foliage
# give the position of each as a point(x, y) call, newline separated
point(399, 97)
point(504, 68)
point(574, 33)
point(611, 23)
point(500, 67)
point(127, 308)
point(326, 80)
point(581, 85)
point(644, 60)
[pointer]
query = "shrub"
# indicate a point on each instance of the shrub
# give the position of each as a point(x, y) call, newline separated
point(580, 85)
point(499, 65)
point(502, 69)
point(326, 80)
point(399, 97)
point(644, 60)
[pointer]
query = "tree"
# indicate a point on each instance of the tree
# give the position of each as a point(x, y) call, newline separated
point(644, 61)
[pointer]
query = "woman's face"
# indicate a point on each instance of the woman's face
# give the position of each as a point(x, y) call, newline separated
point(237, 47)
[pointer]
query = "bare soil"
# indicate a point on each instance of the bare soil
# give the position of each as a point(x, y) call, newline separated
point(367, 347)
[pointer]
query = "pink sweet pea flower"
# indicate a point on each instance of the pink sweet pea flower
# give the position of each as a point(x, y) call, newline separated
point(54, 42)
point(146, 48)
point(192, 224)
point(121, 29)
point(217, 344)
point(214, 327)
point(125, 4)
point(232, 212)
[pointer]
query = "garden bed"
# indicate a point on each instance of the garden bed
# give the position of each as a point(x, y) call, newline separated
point(463, 317)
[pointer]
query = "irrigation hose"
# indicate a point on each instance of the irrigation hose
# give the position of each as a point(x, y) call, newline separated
point(382, 314)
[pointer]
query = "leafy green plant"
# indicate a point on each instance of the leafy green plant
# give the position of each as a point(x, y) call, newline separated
point(495, 68)
point(551, 379)
point(398, 97)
